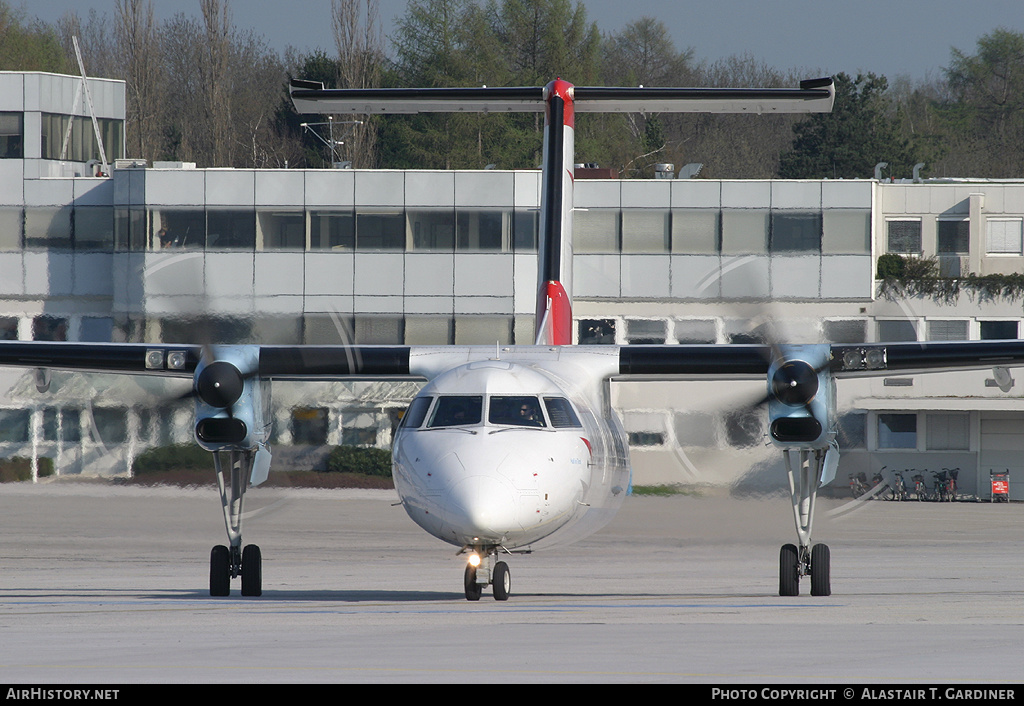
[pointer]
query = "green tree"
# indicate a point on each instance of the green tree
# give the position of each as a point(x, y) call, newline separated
point(28, 46)
point(847, 143)
point(985, 113)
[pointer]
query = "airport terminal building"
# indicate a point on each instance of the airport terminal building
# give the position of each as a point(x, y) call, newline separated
point(168, 252)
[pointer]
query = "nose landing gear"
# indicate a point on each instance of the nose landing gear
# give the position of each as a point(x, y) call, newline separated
point(482, 572)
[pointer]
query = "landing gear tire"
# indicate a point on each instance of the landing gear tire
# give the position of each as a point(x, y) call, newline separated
point(220, 571)
point(502, 581)
point(252, 571)
point(789, 570)
point(821, 581)
point(473, 589)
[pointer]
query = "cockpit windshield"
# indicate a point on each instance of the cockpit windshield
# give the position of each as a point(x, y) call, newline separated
point(519, 410)
point(457, 410)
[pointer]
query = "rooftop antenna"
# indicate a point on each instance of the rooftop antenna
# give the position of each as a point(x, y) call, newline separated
point(331, 143)
point(92, 113)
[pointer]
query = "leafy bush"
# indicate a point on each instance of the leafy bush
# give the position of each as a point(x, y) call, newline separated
point(891, 266)
point(173, 458)
point(20, 469)
point(364, 461)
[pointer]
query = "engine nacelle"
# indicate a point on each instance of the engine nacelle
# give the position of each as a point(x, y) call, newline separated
point(232, 402)
point(801, 398)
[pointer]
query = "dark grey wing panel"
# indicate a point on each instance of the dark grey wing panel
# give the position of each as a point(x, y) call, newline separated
point(137, 358)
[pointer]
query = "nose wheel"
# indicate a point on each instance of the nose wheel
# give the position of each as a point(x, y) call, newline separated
point(804, 560)
point(487, 572)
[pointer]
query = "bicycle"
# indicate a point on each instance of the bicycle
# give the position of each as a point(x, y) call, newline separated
point(898, 490)
point(950, 484)
point(920, 490)
point(858, 484)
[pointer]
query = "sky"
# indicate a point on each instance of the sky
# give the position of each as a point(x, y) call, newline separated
point(894, 38)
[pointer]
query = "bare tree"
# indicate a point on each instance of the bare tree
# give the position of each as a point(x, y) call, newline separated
point(360, 43)
point(213, 69)
point(140, 63)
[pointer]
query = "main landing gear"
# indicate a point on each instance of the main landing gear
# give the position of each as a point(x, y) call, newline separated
point(233, 561)
point(805, 560)
point(481, 572)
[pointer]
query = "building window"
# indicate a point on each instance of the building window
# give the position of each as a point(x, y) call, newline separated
point(795, 232)
point(897, 431)
point(432, 230)
point(479, 230)
point(1004, 236)
point(845, 331)
point(12, 141)
point(380, 230)
point(998, 330)
point(904, 236)
point(954, 237)
point(846, 232)
point(8, 328)
point(645, 230)
point(596, 332)
point(332, 230)
point(282, 230)
point(483, 330)
point(14, 425)
point(525, 225)
point(851, 429)
point(695, 231)
point(596, 231)
point(48, 228)
point(49, 328)
point(947, 432)
point(178, 228)
point(953, 330)
point(129, 229)
point(695, 331)
point(428, 330)
point(744, 231)
point(640, 331)
point(109, 425)
point(646, 438)
point(230, 229)
point(378, 330)
point(80, 145)
point(94, 228)
point(309, 426)
point(896, 330)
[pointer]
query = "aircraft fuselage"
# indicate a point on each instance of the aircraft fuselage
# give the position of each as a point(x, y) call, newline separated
point(509, 453)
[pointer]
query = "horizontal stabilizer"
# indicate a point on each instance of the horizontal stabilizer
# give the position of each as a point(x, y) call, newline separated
point(813, 96)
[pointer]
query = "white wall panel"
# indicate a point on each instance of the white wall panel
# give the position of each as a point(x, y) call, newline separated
point(230, 187)
point(384, 188)
point(229, 274)
point(696, 276)
point(795, 277)
point(484, 188)
point(279, 274)
point(847, 277)
point(646, 276)
point(380, 274)
point(483, 275)
point(428, 274)
point(429, 188)
point(595, 276)
point(745, 277)
point(328, 273)
point(330, 187)
point(280, 187)
point(93, 274)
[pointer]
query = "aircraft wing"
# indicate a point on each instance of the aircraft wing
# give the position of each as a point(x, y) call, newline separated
point(816, 95)
point(844, 360)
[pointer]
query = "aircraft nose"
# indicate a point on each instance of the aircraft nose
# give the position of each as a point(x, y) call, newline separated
point(482, 507)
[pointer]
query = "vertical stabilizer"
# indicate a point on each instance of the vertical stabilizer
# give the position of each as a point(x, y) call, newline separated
point(554, 255)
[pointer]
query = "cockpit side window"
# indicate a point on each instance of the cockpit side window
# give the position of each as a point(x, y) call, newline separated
point(518, 410)
point(457, 410)
point(561, 413)
point(417, 412)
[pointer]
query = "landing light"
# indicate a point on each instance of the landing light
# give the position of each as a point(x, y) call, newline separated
point(474, 559)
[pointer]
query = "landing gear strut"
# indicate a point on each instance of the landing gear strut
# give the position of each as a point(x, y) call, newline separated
point(805, 560)
point(232, 561)
point(487, 571)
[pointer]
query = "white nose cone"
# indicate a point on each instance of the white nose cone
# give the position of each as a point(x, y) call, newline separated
point(482, 508)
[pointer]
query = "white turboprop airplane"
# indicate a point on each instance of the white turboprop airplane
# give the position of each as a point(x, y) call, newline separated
point(511, 449)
